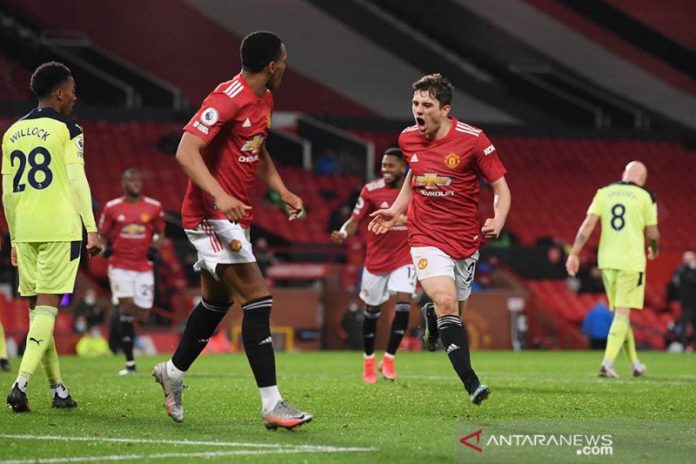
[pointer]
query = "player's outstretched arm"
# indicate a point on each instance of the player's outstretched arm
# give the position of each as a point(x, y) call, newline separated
point(584, 233)
point(347, 229)
point(502, 199)
point(189, 157)
point(385, 219)
point(269, 174)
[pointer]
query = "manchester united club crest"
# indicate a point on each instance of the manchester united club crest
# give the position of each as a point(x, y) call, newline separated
point(422, 263)
point(235, 245)
point(452, 160)
point(144, 217)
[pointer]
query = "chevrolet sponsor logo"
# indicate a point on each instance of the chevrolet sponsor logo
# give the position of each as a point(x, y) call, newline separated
point(432, 181)
point(253, 145)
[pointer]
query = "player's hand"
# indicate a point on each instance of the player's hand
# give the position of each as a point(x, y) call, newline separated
point(94, 244)
point(294, 205)
point(651, 254)
point(572, 265)
point(107, 251)
point(13, 256)
point(153, 254)
point(338, 236)
point(491, 228)
point(382, 221)
point(232, 208)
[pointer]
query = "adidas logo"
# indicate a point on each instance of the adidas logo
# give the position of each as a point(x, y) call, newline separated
point(384, 205)
point(266, 341)
point(121, 217)
point(414, 158)
point(247, 123)
point(399, 332)
point(452, 348)
point(369, 335)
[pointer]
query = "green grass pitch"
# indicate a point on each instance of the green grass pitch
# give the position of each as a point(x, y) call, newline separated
point(420, 418)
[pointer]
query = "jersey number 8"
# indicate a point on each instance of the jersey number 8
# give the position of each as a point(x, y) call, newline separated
point(617, 217)
point(34, 168)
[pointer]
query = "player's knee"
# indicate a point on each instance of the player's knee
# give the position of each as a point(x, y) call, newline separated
point(624, 312)
point(446, 305)
point(126, 306)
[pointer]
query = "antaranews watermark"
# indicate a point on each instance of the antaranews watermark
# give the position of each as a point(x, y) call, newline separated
point(583, 444)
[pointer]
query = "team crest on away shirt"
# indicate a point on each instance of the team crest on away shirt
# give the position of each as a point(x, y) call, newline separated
point(452, 160)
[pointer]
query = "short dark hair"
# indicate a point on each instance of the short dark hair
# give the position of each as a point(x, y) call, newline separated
point(258, 49)
point(47, 77)
point(438, 87)
point(129, 172)
point(395, 152)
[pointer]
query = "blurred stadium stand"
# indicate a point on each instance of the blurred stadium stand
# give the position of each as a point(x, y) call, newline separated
point(568, 91)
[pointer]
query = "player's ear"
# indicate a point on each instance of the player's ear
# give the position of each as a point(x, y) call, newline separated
point(446, 110)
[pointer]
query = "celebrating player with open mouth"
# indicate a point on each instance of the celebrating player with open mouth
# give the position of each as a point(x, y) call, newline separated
point(448, 158)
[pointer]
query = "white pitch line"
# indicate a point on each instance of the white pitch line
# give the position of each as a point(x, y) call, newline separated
point(140, 440)
point(208, 454)
point(268, 448)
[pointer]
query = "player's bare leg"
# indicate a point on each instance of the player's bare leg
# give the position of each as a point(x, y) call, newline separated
point(443, 293)
point(249, 285)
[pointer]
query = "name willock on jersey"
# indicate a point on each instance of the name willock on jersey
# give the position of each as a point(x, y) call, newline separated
point(35, 131)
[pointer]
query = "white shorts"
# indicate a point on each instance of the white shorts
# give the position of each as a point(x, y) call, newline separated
point(431, 262)
point(219, 241)
point(375, 289)
point(138, 285)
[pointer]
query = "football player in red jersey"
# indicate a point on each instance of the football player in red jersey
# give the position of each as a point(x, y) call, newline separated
point(133, 228)
point(448, 158)
point(222, 151)
point(388, 267)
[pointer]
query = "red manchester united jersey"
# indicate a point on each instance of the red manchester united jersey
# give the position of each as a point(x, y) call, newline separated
point(234, 123)
point(129, 227)
point(446, 174)
point(385, 252)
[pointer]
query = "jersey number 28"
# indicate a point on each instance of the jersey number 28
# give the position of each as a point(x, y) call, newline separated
point(34, 168)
